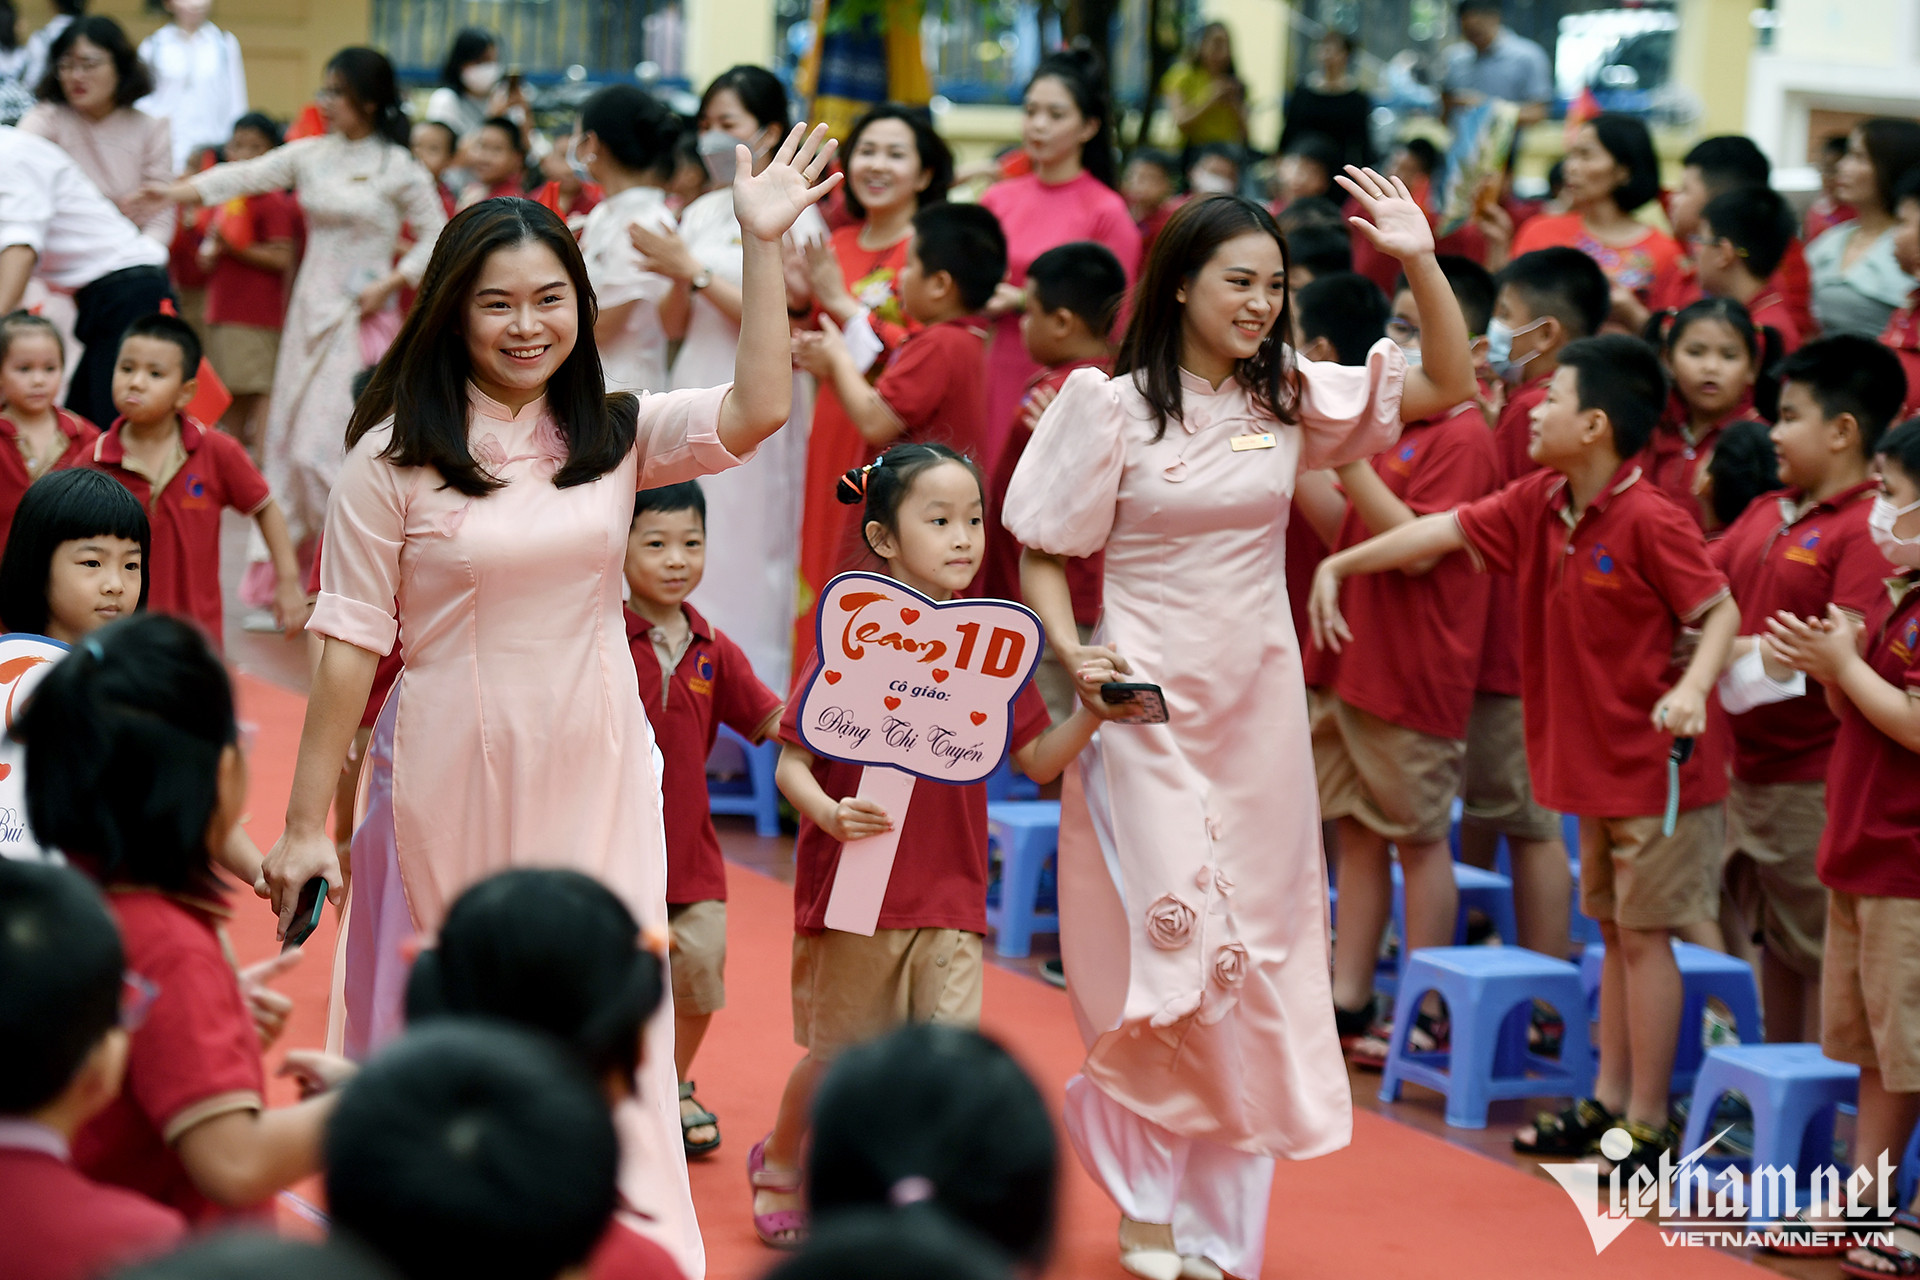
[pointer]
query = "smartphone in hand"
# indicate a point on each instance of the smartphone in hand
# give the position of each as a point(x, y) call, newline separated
point(1149, 704)
point(306, 913)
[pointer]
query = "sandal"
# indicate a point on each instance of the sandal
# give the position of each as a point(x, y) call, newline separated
point(1146, 1251)
point(782, 1228)
point(1649, 1144)
point(1573, 1132)
point(699, 1117)
point(1546, 1031)
point(1429, 1035)
point(1900, 1262)
point(1800, 1230)
point(1352, 1025)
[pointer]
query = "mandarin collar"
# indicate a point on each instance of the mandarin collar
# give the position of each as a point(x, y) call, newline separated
point(485, 406)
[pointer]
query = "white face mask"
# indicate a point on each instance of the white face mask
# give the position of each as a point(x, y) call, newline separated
point(1500, 336)
point(717, 153)
point(1903, 552)
point(480, 77)
point(1206, 183)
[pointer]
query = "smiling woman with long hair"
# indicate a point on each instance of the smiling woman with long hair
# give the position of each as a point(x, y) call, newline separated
point(482, 515)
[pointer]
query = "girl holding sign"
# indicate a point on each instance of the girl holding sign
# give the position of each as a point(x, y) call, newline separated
point(482, 514)
point(925, 522)
point(1192, 887)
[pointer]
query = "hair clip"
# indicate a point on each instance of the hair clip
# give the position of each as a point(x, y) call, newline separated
point(861, 482)
point(911, 1189)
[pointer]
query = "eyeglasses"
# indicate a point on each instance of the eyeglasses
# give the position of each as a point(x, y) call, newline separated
point(1403, 331)
point(76, 66)
point(137, 995)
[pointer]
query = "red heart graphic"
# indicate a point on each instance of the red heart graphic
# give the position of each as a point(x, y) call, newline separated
point(979, 717)
point(831, 677)
point(5, 769)
point(892, 703)
point(940, 675)
point(909, 615)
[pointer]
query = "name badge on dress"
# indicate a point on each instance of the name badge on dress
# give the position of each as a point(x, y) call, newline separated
point(1261, 440)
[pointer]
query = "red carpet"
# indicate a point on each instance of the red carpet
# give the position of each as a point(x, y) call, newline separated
point(1397, 1202)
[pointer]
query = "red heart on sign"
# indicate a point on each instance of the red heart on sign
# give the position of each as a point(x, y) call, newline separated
point(909, 615)
point(831, 677)
point(940, 675)
point(979, 717)
point(5, 769)
point(892, 703)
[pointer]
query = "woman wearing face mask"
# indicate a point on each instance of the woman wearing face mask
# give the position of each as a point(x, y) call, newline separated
point(752, 535)
point(93, 78)
point(465, 97)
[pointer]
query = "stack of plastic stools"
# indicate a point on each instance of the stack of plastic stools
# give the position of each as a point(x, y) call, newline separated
point(1028, 833)
point(754, 796)
point(1793, 1092)
point(1489, 993)
point(1704, 973)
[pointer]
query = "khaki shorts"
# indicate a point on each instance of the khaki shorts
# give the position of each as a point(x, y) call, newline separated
point(1870, 987)
point(1395, 781)
point(1055, 683)
point(244, 356)
point(1639, 879)
point(848, 989)
point(697, 956)
point(1496, 790)
point(1773, 837)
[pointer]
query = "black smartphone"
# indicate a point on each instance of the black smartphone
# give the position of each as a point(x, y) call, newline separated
point(1681, 751)
point(306, 913)
point(1148, 702)
point(514, 81)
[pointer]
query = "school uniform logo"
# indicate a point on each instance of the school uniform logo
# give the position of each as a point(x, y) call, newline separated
point(196, 491)
point(1600, 569)
point(1807, 550)
point(702, 680)
point(1906, 641)
point(1400, 462)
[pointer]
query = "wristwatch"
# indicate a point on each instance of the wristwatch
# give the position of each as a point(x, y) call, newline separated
point(701, 280)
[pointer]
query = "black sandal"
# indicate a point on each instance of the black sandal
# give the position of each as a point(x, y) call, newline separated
point(1796, 1237)
point(1649, 1144)
point(1573, 1132)
point(1903, 1262)
point(689, 1122)
point(1430, 1034)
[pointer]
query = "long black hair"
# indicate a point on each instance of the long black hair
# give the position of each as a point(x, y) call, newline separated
point(470, 45)
point(760, 93)
point(1081, 75)
point(64, 507)
point(936, 158)
point(636, 128)
point(371, 84)
point(124, 738)
point(1151, 350)
point(132, 79)
point(421, 383)
point(1626, 139)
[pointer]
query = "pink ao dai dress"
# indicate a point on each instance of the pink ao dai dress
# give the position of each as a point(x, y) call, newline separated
point(1193, 888)
point(516, 736)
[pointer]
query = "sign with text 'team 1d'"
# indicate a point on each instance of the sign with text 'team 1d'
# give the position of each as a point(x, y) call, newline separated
point(909, 688)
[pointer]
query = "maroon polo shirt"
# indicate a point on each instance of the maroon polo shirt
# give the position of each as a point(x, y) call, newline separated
point(57, 1224)
point(1871, 846)
point(14, 479)
point(936, 384)
point(1000, 575)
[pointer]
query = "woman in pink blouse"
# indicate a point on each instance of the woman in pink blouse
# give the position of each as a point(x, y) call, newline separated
point(93, 78)
point(1069, 195)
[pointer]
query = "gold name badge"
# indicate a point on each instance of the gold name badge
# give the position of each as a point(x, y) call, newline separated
point(1264, 440)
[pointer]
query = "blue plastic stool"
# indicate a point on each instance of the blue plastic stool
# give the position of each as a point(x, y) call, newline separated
point(1487, 891)
point(1910, 1168)
point(1793, 1091)
point(1584, 929)
point(1006, 784)
point(753, 796)
point(1028, 833)
point(1489, 993)
point(1704, 973)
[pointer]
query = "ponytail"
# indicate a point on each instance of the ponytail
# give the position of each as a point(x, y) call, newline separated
point(882, 485)
point(370, 82)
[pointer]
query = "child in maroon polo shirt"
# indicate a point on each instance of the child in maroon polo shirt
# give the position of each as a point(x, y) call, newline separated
point(1870, 853)
point(1714, 355)
point(134, 771)
point(37, 436)
point(1609, 571)
point(66, 1056)
point(1799, 550)
point(184, 474)
point(1743, 235)
point(692, 680)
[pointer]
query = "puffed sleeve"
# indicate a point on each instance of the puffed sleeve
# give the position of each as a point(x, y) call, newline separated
point(366, 528)
point(1062, 496)
point(678, 437)
point(1349, 412)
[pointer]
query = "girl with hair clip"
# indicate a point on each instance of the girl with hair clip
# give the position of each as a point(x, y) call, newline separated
point(1715, 357)
point(482, 516)
point(1067, 130)
point(925, 518)
point(356, 184)
point(1192, 883)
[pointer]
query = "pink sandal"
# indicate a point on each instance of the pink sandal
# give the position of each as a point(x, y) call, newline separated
point(783, 1228)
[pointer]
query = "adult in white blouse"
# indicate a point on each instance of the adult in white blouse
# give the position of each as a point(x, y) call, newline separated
point(93, 78)
point(626, 142)
point(356, 185)
point(199, 82)
point(55, 224)
point(41, 42)
point(753, 522)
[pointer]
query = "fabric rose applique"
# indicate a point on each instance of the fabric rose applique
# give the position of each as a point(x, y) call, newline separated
point(1169, 923)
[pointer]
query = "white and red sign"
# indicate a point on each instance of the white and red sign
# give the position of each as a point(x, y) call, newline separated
point(24, 662)
point(911, 688)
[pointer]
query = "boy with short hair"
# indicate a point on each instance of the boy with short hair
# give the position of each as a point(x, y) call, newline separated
point(184, 474)
point(1389, 715)
point(1714, 168)
point(66, 1056)
point(1799, 550)
point(1315, 250)
point(692, 680)
point(935, 387)
point(1609, 571)
point(1074, 292)
point(1150, 185)
point(1737, 250)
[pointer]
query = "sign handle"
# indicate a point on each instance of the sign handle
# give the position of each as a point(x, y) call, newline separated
point(860, 881)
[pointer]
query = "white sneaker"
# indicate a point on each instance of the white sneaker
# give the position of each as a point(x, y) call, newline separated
point(1197, 1268)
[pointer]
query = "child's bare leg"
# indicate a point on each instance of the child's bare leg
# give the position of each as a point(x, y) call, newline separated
point(1479, 843)
point(1653, 1002)
point(689, 1029)
point(782, 1152)
point(1366, 900)
point(1790, 1002)
point(1613, 1076)
point(1885, 1123)
point(1433, 897)
point(1542, 892)
point(1704, 933)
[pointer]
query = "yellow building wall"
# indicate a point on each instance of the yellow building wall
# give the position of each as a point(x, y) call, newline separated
point(726, 33)
point(285, 42)
point(1710, 55)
